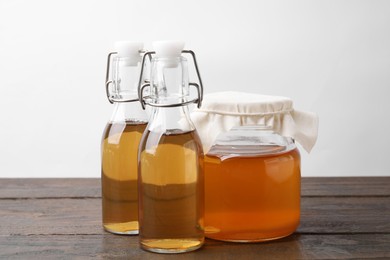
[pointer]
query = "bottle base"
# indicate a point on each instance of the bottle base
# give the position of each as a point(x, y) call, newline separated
point(126, 228)
point(171, 246)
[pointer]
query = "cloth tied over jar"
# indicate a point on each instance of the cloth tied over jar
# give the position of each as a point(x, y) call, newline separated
point(221, 111)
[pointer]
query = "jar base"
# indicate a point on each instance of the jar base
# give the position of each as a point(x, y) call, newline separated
point(248, 238)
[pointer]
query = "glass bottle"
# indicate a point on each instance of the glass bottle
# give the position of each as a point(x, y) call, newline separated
point(252, 186)
point(171, 184)
point(121, 137)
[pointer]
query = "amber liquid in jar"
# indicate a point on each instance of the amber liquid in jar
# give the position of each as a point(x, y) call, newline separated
point(119, 176)
point(171, 193)
point(251, 199)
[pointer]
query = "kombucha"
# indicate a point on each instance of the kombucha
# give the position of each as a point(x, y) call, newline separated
point(171, 192)
point(119, 176)
point(252, 198)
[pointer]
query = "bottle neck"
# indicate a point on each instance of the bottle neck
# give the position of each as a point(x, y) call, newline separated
point(169, 81)
point(128, 112)
point(169, 86)
point(125, 73)
point(171, 120)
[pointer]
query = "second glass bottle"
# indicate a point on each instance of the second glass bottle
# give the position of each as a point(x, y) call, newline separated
point(120, 141)
point(171, 183)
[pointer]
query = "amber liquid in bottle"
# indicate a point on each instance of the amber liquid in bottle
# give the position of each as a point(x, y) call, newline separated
point(171, 192)
point(250, 199)
point(119, 176)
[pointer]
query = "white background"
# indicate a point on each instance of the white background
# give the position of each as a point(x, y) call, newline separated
point(330, 57)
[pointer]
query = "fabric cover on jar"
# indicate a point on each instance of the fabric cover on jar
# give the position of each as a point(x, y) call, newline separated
point(222, 111)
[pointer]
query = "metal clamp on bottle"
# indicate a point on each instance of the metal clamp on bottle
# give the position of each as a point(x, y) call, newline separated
point(108, 81)
point(145, 99)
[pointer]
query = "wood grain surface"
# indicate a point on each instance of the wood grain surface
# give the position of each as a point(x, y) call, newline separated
point(341, 218)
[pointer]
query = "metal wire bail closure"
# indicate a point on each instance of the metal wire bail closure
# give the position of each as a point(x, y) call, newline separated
point(108, 81)
point(141, 87)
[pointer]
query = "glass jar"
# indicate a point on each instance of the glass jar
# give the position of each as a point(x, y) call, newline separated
point(252, 186)
point(252, 165)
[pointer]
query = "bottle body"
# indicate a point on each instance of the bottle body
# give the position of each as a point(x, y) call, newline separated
point(252, 197)
point(171, 192)
point(119, 169)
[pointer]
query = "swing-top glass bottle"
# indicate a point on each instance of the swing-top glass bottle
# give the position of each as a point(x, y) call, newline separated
point(170, 169)
point(119, 148)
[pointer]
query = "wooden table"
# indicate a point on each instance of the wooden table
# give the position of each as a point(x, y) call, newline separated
point(61, 218)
